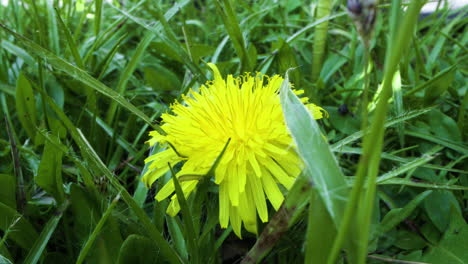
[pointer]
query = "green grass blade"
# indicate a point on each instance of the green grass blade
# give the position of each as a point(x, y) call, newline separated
point(127, 73)
point(424, 185)
point(397, 215)
point(41, 242)
point(232, 27)
point(54, 43)
point(191, 236)
point(97, 17)
point(89, 243)
point(320, 37)
point(459, 147)
point(410, 165)
point(394, 121)
point(71, 42)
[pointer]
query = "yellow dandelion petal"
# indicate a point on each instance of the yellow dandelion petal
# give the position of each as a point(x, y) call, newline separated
point(259, 197)
point(271, 189)
point(236, 221)
point(223, 205)
point(261, 155)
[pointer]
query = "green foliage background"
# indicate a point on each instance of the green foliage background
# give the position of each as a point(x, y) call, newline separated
point(83, 82)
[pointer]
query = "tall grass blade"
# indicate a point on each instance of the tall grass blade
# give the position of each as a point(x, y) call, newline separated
point(89, 243)
point(41, 242)
point(323, 10)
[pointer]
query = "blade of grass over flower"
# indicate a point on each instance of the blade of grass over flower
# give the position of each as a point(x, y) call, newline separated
point(89, 243)
point(370, 160)
point(80, 75)
point(96, 163)
point(41, 242)
point(190, 234)
point(210, 173)
point(321, 167)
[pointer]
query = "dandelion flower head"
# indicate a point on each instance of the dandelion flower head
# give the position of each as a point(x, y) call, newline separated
point(259, 158)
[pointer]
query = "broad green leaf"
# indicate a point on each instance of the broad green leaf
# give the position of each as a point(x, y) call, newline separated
point(439, 85)
point(452, 246)
point(321, 167)
point(8, 190)
point(139, 250)
point(26, 105)
point(161, 79)
point(49, 175)
point(409, 240)
point(321, 231)
point(4, 260)
point(438, 206)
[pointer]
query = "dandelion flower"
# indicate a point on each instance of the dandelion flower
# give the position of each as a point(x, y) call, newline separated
point(260, 156)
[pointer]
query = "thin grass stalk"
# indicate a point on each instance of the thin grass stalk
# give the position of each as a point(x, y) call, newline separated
point(87, 246)
point(320, 38)
point(71, 43)
point(190, 234)
point(374, 142)
point(97, 17)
